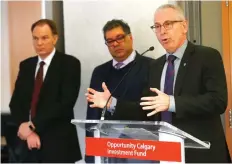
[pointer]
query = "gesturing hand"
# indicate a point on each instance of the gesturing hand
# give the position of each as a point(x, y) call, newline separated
point(157, 103)
point(98, 99)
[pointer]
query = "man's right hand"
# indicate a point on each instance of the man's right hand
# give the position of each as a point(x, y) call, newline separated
point(98, 99)
point(33, 141)
point(24, 131)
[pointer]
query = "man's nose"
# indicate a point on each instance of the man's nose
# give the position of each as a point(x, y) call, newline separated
point(115, 43)
point(39, 42)
point(162, 30)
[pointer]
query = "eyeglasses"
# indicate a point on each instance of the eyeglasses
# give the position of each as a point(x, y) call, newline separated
point(167, 25)
point(119, 39)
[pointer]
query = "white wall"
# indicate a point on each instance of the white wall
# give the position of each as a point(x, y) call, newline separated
point(83, 23)
point(211, 24)
point(5, 64)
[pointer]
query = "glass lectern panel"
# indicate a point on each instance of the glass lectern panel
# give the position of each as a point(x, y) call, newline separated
point(144, 130)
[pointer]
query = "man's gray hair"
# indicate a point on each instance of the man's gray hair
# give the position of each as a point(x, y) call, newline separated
point(174, 7)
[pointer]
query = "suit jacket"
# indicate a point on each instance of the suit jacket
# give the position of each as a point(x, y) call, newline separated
point(200, 94)
point(59, 142)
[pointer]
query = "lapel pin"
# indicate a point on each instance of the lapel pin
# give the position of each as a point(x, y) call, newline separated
point(184, 64)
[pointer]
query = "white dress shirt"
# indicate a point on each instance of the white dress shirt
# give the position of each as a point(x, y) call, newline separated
point(47, 62)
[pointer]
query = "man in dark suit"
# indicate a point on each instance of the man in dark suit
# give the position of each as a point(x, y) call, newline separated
point(42, 104)
point(119, 41)
point(186, 87)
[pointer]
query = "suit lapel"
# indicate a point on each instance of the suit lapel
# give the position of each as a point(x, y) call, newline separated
point(51, 72)
point(31, 74)
point(156, 72)
point(33, 68)
point(184, 64)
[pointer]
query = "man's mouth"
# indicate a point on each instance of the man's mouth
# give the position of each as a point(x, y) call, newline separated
point(165, 40)
point(118, 50)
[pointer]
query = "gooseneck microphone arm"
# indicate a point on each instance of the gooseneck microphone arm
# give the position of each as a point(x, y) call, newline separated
point(105, 107)
point(150, 49)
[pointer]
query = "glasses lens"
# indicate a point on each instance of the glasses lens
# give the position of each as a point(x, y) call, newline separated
point(119, 39)
point(109, 42)
point(168, 25)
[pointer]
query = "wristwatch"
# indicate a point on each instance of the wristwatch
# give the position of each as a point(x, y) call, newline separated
point(31, 126)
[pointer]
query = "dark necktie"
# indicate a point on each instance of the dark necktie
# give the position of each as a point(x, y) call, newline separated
point(37, 86)
point(168, 86)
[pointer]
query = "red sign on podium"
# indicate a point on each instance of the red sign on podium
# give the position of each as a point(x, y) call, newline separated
point(131, 148)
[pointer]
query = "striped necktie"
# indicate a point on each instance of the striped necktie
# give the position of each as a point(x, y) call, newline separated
point(168, 86)
point(119, 65)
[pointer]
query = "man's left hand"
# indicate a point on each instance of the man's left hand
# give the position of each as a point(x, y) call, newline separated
point(157, 103)
point(33, 141)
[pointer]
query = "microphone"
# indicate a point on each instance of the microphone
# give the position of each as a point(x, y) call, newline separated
point(150, 49)
point(105, 107)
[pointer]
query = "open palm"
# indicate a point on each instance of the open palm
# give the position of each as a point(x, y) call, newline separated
point(98, 99)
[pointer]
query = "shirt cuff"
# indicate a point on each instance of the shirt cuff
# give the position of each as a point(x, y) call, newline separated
point(172, 106)
point(112, 105)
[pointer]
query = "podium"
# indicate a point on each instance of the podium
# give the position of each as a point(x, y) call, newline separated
point(115, 141)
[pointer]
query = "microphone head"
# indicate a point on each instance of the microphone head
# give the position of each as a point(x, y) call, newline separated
point(151, 48)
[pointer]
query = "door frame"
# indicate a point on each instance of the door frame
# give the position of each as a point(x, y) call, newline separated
point(227, 59)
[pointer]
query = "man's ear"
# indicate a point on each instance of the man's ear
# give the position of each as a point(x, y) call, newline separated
point(185, 26)
point(130, 36)
point(55, 39)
